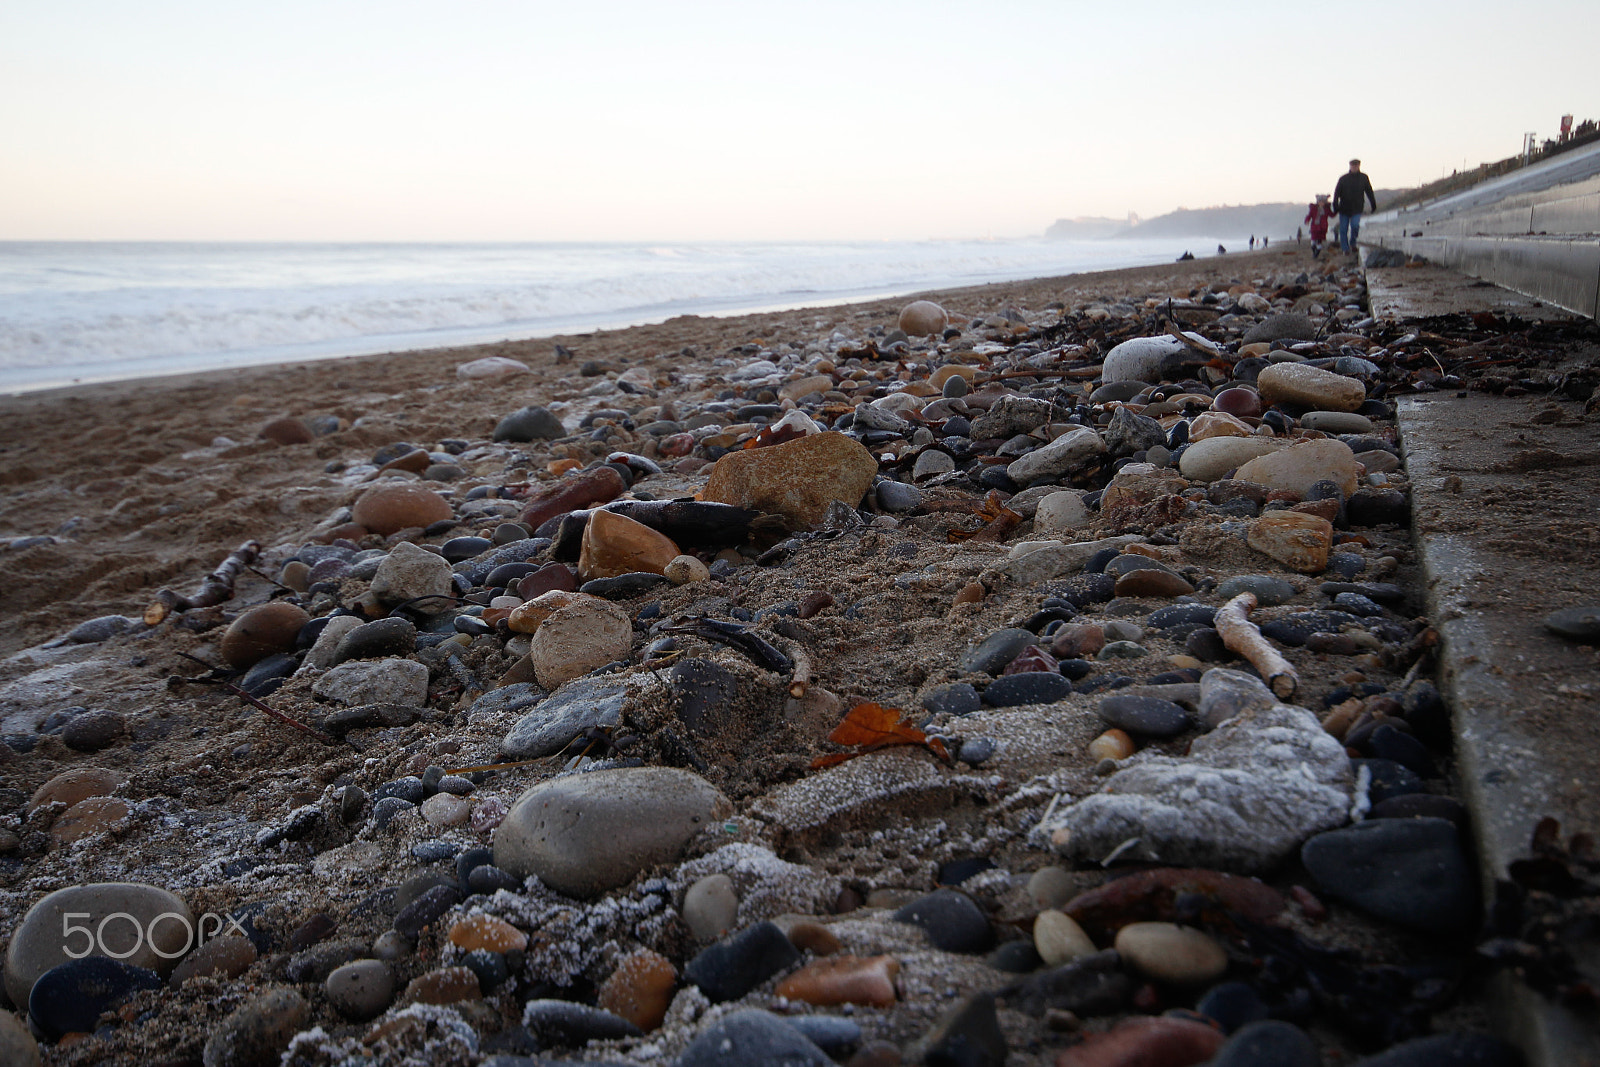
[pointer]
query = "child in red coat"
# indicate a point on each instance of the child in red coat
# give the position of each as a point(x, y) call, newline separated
point(1317, 217)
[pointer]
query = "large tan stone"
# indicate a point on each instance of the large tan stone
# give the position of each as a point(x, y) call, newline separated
point(387, 509)
point(797, 479)
point(921, 318)
point(1213, 458)
point(1298, 541)
point(577, 638)
point(79, 783)
point(587, 833)
point(1210, 424)
point(615, 544)
point(261, 632)
point(1299, 466)
point(1311, 387)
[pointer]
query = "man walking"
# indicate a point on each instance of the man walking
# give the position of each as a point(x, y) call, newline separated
point(1348, 194)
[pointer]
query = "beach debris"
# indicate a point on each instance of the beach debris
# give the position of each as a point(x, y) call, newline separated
point(869, 727)
point(216, 589)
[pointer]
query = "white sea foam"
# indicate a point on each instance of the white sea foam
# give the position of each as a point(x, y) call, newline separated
point(101, 310)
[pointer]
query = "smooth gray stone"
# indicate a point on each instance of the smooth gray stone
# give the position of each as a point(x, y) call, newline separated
point(1268, 590)
point(1575, 624)
point(752, 1037)
point(1150, 716)
point(995, 651)
point(550, 725)
point(529, 423)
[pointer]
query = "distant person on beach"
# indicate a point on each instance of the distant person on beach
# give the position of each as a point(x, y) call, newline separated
point(1317, 217)
point(1299, 234)
point(1252, 242)
point(1221, 251)
point(1352, 188)
point(1263, 241)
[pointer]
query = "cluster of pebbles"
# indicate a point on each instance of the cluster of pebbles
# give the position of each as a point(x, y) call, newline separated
point(1037, 687)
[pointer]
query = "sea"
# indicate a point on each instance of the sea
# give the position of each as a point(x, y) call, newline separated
point(75, 311)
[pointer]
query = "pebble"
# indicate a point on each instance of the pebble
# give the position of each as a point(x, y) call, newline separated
point(288, 430)
point(409, 572)
point(751, 1037)
point(951, 920)
point(262, 631)
point(442, 810)
point(969, 1034)
point(1066, 454)
point(1379, 507)
point(256, 1034)
point(361, 989)
point(228, 957)
point(600, 485)
point(734, 966)
point(798, 479)
point(1336, 422)
point(1300, 466)
point(1576, 624)
point(1411, 872)
point(1225, 694)
point(1269, 1043)
point(1151, 582)
point(640, 990)
point(931, 463)
point(94, 730)
point(573, 640)
point(564, 1024)
point(1447, 1050)
point(710, 907)
point(1166, 952)
point(38, 944)
point(1142, 359)
point(377, 640)
point(1029, 687)
point(614, 545)
point(922, 318)
point(898, 496)
point(426, 909)
point(481, 931)
point(581, 834)
point(1213, 458)
point(682, 570)
point(549, 725)
point(1113, 745)
point(1050, 887)
point(991, 655)
point(529, 423)
point(1388, 779)
point(1161, 1041)
point(1122, 650)
point(1232, 1005)
point(1150, 716)
point(844, 979)
point(1298, 541)
point(385, 681)
point(1059, 939)
point(954, 698)
point(1286, 326)
point(1269, 590)
point(17, 1046)
point(391, 507)
point(1426, 805)
point(70, 996)
point(444, 985)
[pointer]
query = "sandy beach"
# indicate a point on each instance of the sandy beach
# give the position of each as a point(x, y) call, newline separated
point(113, 492)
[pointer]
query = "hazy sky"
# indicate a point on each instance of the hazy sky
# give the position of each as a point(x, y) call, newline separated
point(591, 120)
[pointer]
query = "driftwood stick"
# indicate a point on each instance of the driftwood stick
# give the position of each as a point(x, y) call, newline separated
point(217, 587)
point(1241, 635)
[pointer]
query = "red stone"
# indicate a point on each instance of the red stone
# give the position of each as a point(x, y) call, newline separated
point(1244, 403)
point(552, 576)
point(1146, 1042)
point(1032, 659)
point(598, 486)
point(1150, 896)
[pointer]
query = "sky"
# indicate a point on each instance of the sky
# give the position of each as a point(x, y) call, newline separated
point(588, 120)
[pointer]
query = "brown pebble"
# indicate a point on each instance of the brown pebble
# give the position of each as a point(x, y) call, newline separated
point(875, 1054)
point(1113, 744)
point(1077, 640)
point(389, 508)
point(447, 985)
point(261, 632)
point(87, 817)
point(1151, 1041)
point(640, 989)
point(227, 957)
point(971, 593)
point(256, 1034)
point(1311, 906)
point(814, 938)
point(1152, 583)
point(844, 980)
point(847, 901)
point(487, 932)
point(80, 783)
point(814, 602)
point(288, 430)
point(615, 544)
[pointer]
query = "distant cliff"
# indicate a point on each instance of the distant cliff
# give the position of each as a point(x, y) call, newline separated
point(1229, 223)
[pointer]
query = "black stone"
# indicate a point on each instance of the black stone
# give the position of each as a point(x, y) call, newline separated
point(995, 651)
point(1422, 805)
point(707, 694)
point(833, 1034)
point(1381, 592)
point(1389, 779)
point(71, 996)
point(1447, 1050)
point(561, 1023)
point(434, 851)
point(529, 423)
point(969, 1036)
point(266, 676)
point(1399, 747)
point(951, 920)
point(957, 871)
point(1411, 872)
point(1089, 985)
point(752, 1037)
point(623, 586)
point(1575, 624)
point(463, 548)
point(471, 860)
point(1016, 957)
point(737, 964)
point(1425, 710)
point(409, 789)
point(379, 639)
point(426, 909)
point(491, 879)
point(1150, 716)
point(93, 730)
point(314, 964)
point(957, 698)
point(1232, 1005)
point(1075, 669)
point(1379, 507)
point(1181, 615)
point(1269, 1043)
point(1285, 632)
point(1100, 560)
point(1205, 645)
point(490, 967)
point(1029, 687)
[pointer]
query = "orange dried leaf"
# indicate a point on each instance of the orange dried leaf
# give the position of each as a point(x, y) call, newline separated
point(874, 724)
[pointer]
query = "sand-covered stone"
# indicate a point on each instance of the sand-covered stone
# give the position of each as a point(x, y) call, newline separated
point(797, 479)
point(1060, 512)
point(71, 786)
point(584, 834)
point(857, 792)
point(391, 507)
point(384, 681)
point(1299, 541)
point(1213, 458)
point(1300, 466)
point(490, 367)
point(40, 943)
point(408, 572)
point(1310, 387)
point(1064, 455)
point(1209, 424)
point(577, 638)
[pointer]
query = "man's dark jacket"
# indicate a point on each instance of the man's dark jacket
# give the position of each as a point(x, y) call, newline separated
point(1348, 193)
